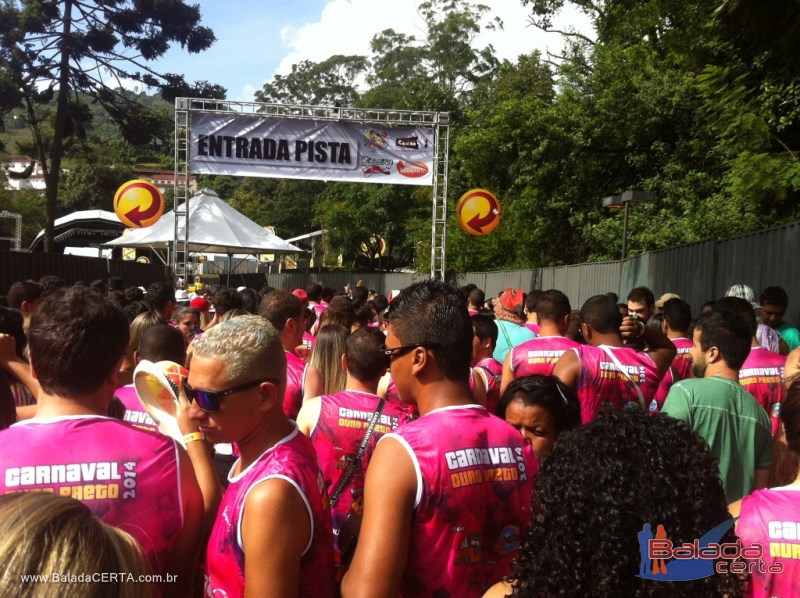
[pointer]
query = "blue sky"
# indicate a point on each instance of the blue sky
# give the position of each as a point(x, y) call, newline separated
point(258, 38)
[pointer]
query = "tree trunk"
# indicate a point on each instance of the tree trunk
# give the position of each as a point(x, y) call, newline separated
point(56, 149)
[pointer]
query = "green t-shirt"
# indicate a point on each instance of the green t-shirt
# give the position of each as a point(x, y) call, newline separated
point(735, 426)
point(790, 334)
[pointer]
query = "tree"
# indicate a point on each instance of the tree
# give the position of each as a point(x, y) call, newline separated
point(314, 83)
point(62, 48)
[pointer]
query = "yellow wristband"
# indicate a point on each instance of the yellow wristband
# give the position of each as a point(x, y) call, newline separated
point(187, 438)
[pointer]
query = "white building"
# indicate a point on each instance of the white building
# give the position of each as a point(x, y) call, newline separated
point(20, 165)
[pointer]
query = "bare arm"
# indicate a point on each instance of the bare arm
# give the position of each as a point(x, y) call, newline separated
point(16, 366)
point(276, 528)
point(508, 374)
point(568, 368)
point(478, 386)
point(309, 415)
point(389, 494)
point(312, 385)
point(659, 347)
point(183, 560)
point(792, 367)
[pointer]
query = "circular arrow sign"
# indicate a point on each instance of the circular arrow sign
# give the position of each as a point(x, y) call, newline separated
point(478, 212)
point(138, 203)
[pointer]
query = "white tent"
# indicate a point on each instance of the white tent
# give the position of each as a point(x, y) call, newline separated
point(214, 226)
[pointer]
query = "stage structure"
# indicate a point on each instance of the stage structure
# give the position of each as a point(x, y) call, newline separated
point(328, 143)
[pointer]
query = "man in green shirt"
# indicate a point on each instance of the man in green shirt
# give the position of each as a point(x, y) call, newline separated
point(713, 404)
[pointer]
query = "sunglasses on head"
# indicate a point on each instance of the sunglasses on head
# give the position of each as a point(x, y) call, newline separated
point(209, 400)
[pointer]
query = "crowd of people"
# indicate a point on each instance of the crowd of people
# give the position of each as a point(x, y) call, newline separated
point(430, 443)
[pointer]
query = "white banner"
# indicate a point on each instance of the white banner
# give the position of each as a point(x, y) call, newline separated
point(278, 147)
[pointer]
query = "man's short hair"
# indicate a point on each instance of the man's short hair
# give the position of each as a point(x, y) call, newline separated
point(314, 291)
point(249, 346)
point(740, 308)
point(159, 294)
point(552, 306)
point(477, 297)
point(226, 299)
point(50, 283)
point(600, 313)
point(359, 296)
point(23, 290)
point(484, 327)
point(774, 296)
point(249, 300)
point(365, 360)
point(532, 301)
point(727, 332)
point(163, 343)
point(435, 313)
point(642, 295)
point(76, 339)
point(678, 315)
point(278, 307)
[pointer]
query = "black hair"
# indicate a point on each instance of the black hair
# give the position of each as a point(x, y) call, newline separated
point(365, 361)
point(552, 305)
point(339, 311)
point(359, 296)
point(249, 300)
point(99, 286)
point(133, 294)
point(50, 283)
point(613, 297)
point(790, 416)
point(485, 327)
point(327, 294)
point(532, 301)
point(135, 308)
point(435, 313)
point(654, 322)
point(159, 294)
point(467, 289)
point(600, 313)
point(76, 339)
point(12, 323)
point(379, 303)
point(678, 315)
point(547, 392)
point(363, 316)
point(588, 511)
point(740, 308)
point(24, 290)
point(726, 331)
point(162, 342)
point(642, 295)
point(477, 297)
point(774, 296)
point(226, 299)
point(278, 307)
point(313, 291)
point(707, 306)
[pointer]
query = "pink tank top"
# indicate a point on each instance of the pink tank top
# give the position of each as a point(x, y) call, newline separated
point(537, 357)
point(474, 489)
point(683, 358)
point(393, 398)
point(490, 383)
point(663, 390)
point(343, 420)
point(532, 327)
point(127, 477)
point(762, 375)
point(771, 518)
point(291, 459)
point(295, 380)
point(134, 412)
point(601, 386)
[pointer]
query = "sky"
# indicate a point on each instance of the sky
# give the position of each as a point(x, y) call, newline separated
point(257, 39)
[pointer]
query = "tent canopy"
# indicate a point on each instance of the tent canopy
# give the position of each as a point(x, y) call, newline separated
point(214, 226)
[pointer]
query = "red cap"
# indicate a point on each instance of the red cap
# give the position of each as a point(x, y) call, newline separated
point(200, 303)
point(512, 300)
point(302, 295)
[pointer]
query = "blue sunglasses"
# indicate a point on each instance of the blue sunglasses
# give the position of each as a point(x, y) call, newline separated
point(209, 400)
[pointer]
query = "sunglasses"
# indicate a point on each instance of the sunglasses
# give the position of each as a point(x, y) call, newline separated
point(388, 354)
point(209, 400)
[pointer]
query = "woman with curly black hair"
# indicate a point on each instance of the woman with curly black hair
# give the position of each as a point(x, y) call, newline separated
point(540, 407)
point(594, 494)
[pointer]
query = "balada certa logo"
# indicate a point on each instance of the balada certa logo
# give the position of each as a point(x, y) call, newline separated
point(662, 560)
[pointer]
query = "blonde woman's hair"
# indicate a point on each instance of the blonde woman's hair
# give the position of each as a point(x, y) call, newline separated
point(326, 356)
point(141, 323)
point(42, 533)
point(248, 345)
point(233, 313)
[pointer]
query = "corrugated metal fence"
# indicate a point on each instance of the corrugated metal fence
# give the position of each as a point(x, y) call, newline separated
point(697, 272)
point(21, 265)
